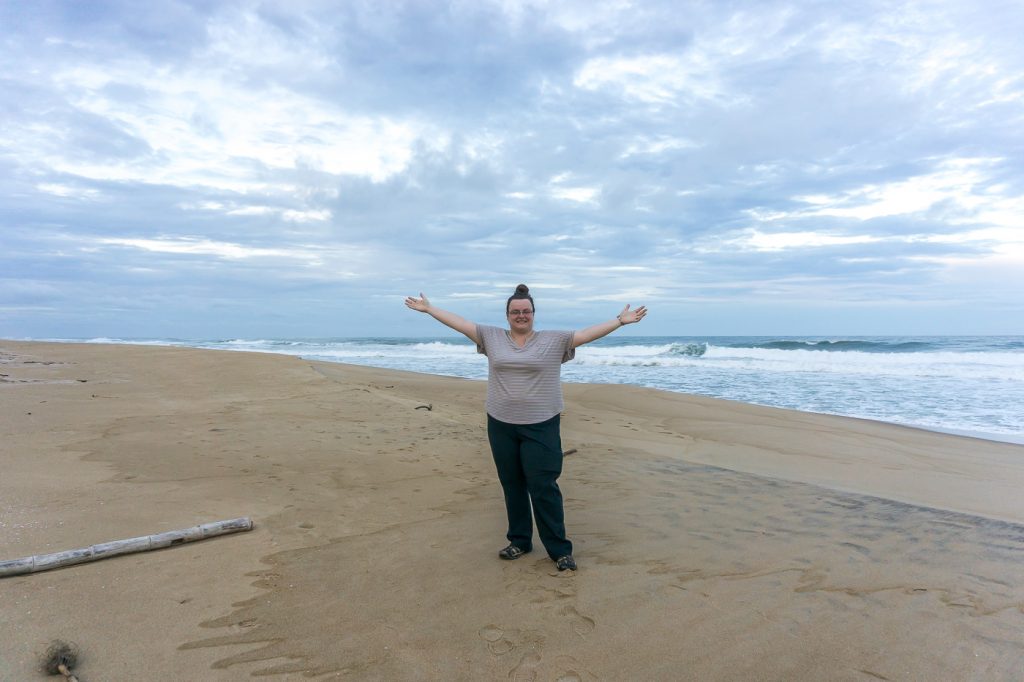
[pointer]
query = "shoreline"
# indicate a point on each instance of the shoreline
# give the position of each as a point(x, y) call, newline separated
point(981, 434)
point(1012, 439)
point(707, 531)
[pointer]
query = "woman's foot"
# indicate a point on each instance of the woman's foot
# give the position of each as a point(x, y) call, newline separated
point(566, 563)
point(512, 552)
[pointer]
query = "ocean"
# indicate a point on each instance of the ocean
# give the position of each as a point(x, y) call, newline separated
point(972, 385)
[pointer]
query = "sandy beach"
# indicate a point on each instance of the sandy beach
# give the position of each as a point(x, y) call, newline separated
point(716, 540)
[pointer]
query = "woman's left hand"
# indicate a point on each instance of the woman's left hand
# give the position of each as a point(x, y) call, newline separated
point(628, 316)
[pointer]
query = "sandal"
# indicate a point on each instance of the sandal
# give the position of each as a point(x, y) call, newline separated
point(566, 563)
point(512, 552)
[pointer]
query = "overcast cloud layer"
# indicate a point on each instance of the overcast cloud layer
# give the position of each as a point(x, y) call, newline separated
point(222, 170)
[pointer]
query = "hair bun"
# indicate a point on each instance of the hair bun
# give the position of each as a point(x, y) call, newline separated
point(522, 290)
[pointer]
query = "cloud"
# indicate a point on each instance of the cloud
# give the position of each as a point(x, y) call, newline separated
point(297, 161)
point(652, 79)
point(206, 247)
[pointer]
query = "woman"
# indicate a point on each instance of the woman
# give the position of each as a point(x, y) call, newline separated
point(524, 405)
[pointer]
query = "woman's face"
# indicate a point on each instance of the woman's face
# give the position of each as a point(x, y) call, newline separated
point(520, 315)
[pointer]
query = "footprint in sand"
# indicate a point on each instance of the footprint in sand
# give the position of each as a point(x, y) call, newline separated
point(494, 636)
point(536, 586)
point(491, 633)
point(526, 671)
point(581, 625)
point(571, 667)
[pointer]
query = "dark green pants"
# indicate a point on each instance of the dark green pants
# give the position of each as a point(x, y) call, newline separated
point(529, 461)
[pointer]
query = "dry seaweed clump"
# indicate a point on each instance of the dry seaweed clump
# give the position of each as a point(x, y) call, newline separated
point(60, 659)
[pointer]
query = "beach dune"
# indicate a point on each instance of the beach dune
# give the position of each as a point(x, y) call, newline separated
point(716, 540)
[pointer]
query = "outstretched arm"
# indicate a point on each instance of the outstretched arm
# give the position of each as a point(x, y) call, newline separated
point(594, 332)
point(459, 324)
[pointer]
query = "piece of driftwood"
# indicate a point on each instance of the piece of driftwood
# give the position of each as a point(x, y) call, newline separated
point(44, 562)
point(571, 451)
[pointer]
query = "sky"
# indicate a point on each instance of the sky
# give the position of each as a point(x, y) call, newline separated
point(218, 170)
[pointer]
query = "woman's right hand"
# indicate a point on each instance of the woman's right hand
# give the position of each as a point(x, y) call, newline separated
point(463, 326)
point(420, 304)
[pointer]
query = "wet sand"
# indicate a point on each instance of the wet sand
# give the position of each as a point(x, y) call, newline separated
point(716, 540)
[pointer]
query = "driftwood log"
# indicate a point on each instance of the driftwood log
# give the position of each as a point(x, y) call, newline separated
point(44, 562)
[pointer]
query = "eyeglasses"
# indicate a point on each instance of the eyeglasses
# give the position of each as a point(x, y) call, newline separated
point(517, 313)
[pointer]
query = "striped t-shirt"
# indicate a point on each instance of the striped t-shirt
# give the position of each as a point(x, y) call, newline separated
point(524, 385)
